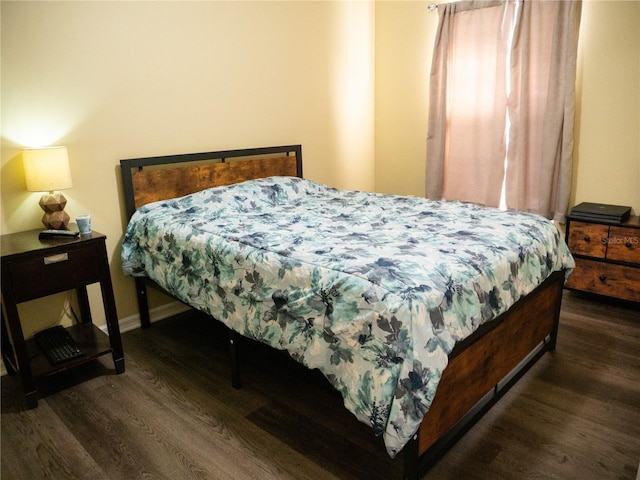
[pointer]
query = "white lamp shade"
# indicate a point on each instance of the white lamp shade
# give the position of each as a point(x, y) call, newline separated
point(46, 169)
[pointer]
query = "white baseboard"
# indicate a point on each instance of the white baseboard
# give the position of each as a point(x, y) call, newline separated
point(155, 314)
point(132, 322)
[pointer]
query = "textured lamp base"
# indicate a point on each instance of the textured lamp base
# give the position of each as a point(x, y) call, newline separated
point(54, 215)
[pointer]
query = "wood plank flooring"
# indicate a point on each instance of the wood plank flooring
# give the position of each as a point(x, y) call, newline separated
point(174, 415)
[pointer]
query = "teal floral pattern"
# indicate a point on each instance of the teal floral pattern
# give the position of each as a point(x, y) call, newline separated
point(373, 290)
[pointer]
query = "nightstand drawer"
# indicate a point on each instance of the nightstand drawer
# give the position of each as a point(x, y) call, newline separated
point(588, 239)
point(53, 272)
point(624, 245)
point(607, 279)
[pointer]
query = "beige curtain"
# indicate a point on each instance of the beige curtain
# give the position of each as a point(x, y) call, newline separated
point(502, 93)
point(467, 88)
point(542, 107)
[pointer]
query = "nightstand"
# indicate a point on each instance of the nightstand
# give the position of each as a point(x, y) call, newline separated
point(34, 268)
point(607, 257)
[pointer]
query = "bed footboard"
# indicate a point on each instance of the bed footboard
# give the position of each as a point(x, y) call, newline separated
point(485, 367)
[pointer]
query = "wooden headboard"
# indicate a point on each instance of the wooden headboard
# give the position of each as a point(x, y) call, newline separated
point(150, 179)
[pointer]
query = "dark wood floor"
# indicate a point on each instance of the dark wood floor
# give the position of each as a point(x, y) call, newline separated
point(173, 414)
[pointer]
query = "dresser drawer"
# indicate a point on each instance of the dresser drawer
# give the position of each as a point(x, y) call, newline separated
point(588, 239)
point(606, 279)
point(54, 272)
point(623, 245)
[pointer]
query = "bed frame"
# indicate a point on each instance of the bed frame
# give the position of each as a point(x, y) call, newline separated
point(485, 365)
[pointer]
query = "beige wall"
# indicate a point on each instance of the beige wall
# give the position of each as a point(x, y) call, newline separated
point(607, 154)
point(113, 80)
point(607, 142)
point(348, 80)
point(405, 31)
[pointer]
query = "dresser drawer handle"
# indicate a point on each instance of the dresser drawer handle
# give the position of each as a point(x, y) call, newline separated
point(586, 238)
point(61, 257)
point(628, 245)
point(603, 278)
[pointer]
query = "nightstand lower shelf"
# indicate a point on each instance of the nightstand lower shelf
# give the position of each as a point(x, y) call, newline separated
point(89, 338)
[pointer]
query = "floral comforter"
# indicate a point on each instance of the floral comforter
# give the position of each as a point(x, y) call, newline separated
point(373, 290)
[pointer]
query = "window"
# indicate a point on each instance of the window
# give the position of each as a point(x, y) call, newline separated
point(502, 104)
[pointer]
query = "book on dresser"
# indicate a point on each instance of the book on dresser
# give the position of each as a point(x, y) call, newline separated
point(601, 212)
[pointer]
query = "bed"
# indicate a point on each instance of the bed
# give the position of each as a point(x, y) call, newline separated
point(421, 314)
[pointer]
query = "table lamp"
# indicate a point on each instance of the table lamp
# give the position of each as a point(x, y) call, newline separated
point(46, 170)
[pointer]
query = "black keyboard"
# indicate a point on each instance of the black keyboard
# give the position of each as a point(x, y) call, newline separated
point(57, 345)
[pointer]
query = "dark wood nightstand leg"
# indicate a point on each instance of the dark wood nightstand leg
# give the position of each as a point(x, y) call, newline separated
point(32, 399)
point(83, 303)
point(106, 287)
point(119, 363)
point(8, 357)
point(20, 351)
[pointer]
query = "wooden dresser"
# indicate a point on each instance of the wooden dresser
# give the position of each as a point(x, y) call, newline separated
point(607, 257)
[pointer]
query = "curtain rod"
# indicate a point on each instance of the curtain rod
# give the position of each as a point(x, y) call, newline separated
point(432, 7)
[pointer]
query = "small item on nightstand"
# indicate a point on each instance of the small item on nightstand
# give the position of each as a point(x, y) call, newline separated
point(57, 344)
point(84, 224)
point(58, 233)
